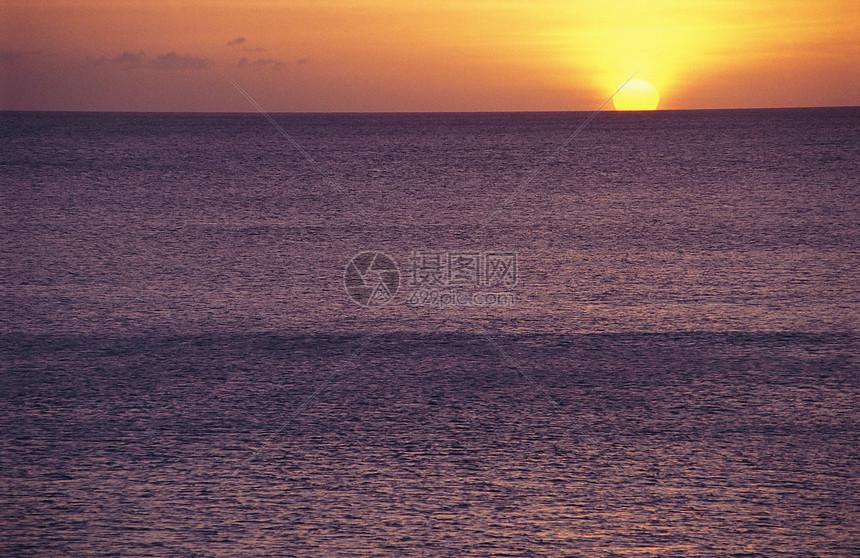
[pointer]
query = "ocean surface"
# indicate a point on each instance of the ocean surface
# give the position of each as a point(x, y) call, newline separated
point(641, 342)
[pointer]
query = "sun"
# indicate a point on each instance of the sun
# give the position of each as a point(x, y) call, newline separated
point(636, 94)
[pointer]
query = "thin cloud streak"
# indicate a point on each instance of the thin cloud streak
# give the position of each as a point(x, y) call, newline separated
point(173, 61)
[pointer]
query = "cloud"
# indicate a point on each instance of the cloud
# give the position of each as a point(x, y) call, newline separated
point(236, 41)
point(301, 61)
point(268, 62)
point(169, 61)
point(12, 56)
point(259, 62)
point(173, 61)
point(130, 59)
point(8, 56)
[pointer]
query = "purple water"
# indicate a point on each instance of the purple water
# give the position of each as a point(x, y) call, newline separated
point(185, 374)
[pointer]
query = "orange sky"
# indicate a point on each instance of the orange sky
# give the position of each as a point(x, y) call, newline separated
point(433, 55)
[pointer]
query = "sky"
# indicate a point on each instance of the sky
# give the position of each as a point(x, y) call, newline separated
point(428, 55)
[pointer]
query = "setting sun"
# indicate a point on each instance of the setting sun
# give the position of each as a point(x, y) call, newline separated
point(636, 94)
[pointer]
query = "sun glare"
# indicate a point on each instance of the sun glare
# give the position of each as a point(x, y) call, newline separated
point(637, 94)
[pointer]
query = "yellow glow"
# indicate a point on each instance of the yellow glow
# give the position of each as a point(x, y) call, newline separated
point(724, 53)
point(637, 94)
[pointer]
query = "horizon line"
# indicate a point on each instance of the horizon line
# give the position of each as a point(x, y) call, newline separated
point(658, 110)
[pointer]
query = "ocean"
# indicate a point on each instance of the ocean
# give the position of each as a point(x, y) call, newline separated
point(430, 334)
